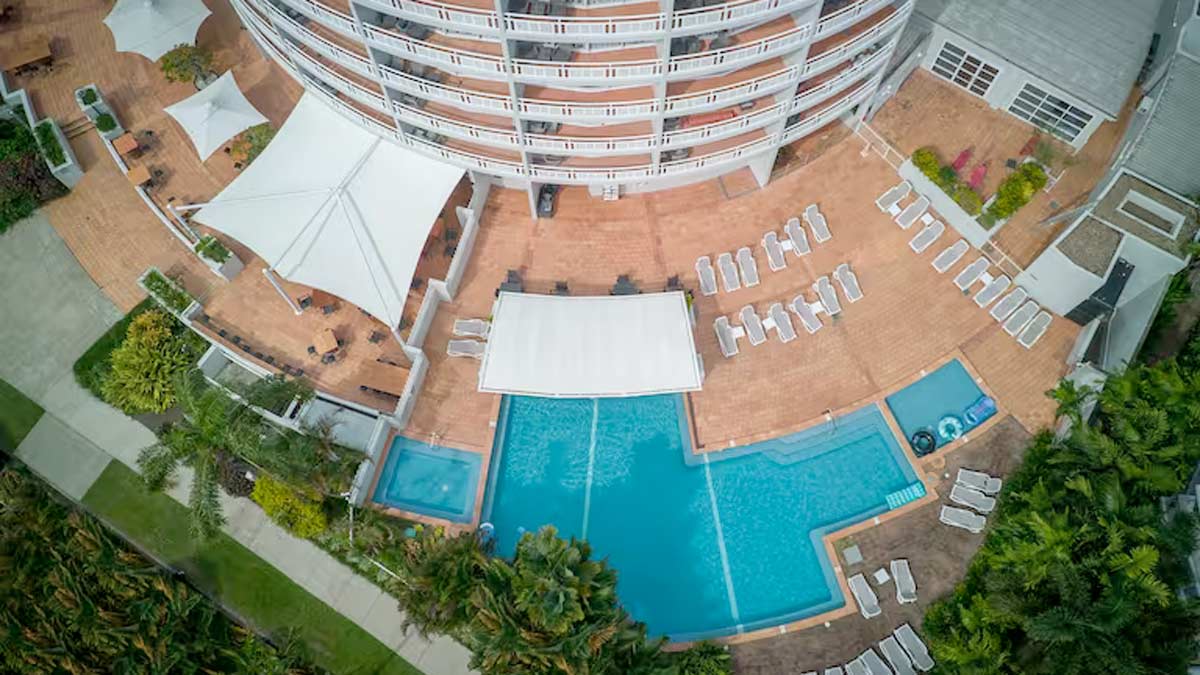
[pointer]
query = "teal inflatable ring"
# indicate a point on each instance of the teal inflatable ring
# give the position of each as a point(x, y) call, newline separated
point(949, 428)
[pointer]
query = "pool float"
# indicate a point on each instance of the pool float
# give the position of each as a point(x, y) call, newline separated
point(949, 428)
point(983, 408)
point(924, 442)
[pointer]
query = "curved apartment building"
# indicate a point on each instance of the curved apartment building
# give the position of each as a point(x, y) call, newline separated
point(614, 95)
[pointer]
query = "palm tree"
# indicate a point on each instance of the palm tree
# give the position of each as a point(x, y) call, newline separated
point(1071, 399)
point(439, 573)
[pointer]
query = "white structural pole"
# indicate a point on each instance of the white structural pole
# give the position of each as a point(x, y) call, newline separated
point(286, 298)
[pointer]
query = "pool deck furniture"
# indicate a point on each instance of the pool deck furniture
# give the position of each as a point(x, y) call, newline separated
point(1009, 304)
point(782, 323)
point(796, 237)
point(816, 221)
point(1020, 318)
point(753, 325)
point(950, 256)
point(802, 308)
point(729, 273)
point(927, 236)
point(992, 290)
point(893, 196)
point(911, 212)
point(1035, 330)
point(325, 341)
point(828, 296)
point(384, 378)
point(472, 327)
point(725, 337)
point(857, 667)
point(881, 576)
point(125, 144)
point(852, 555)
point(466, 348)
point(774, 250)
point(849, 282)
point(864, 597)
point(23, 54)
point(906, 585)
point(874, 664)
point(971, 273)
point(706, 275)
point(978, 480)
point(897, 658)
point(749, 267)
point(916, 649)
point(962, 518)
point(961, 494)
point(834, 670)
point(138, 175)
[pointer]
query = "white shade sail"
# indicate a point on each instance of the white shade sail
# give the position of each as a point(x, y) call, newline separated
point(332, 206)
point(154, 27)
point(590, 346)
point(215, 114)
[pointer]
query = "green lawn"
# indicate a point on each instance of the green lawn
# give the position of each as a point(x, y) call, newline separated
point(17, 416)
point(241, 579)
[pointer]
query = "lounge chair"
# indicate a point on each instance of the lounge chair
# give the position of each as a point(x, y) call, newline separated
point(849, 282)
point(834, 670)
point(857, 667)
point(927, 236)
point(471, 348)
point(729, 273)
point(816, 221)
point(749, 268)
point(971, 273)
point(1008, 304)
point(725, 337)
point(979, 480)
point(783, 323)
point(812, 323)
point(1035, 330)
point(874, 664)
point(993, 290)
point(950, 256)
point(828, 296)
point(962, 518)
point(706, 275)
point(1017, 321)
point(906, 586)
point(796, 237)
point(899, 659)
point(917, 651)
point(961, 494)
point(753, 325)
point(864, 597)
point(893, 196)
point(775, 258)
point(911, 212)
point(472, 327)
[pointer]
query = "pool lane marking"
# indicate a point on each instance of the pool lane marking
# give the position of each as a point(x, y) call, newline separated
point(591, 470)
point(712, 500)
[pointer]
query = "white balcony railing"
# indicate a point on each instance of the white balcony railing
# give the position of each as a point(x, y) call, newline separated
point(848, 16)
point(329, 50)
point(832, 57)
point(342, 23)
point(338, 81)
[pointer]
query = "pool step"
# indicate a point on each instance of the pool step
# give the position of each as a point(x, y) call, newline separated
point(909, 494)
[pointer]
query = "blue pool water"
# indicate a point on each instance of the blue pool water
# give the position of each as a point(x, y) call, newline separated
point(703, 546)
point(429, 479)
point(949, 390)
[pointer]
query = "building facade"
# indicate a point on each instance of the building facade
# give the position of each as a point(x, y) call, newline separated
point(619, 96)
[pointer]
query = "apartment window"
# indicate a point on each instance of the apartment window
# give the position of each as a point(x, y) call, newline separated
point(964, 69)
point(1151, 213)
point(1049, 112)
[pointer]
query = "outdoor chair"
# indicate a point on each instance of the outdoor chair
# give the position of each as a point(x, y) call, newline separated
point(1017, 321)
point(560, 288)
point(927, 236)
point(1035, 330)
point(1008, 304)
point(796, 237)
point(899, 660)
point(950, 256)
point(775, 258)
point(725, 337)
point(864, 597)
point(992, 290)
point(961, 494)
point(748, 267)
point(729, 274)
point(857, 667)
point(915, 648)
point(329, 358)
point(753, 326)
point(906, 586)
point(472, 327)
point(893, 196)
point(781, 322)
point(804, 310)
point(978, 480)
point(971, 273)
point(911, 212)
point(312, 350)
point(828, 296)
point(375, 337)
point(962, 518)
point(875, 665)
point(849, 282)
point(834, 670)
point(466, 348)
point(816, 221)
point(706, 276)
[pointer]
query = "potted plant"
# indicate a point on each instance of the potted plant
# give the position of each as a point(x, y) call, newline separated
point(219, 259)
point(188, 63)
point(105, 123)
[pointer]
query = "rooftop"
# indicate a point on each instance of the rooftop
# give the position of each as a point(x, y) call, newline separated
point(1165, 152)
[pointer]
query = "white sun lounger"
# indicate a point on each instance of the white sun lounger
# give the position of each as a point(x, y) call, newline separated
point(775, 258)
point(753, 325)
point(950, 256)
point(849, 282)
point(864, 597)
point(857, 667)
point(874, 664)
point(1035, 330)
point(796, 237)
point(828, 296)
point(993, 290)
point(956, 517)
point(749, 268)
point(472, 327)
point(916, 649)
point(1020, 318)
point(1008, 304)
point(927, 236)
point(725, 337)
point(834, 670)
point(783, 322)
point(896, 656)
point(961, 494)
point(911, 212)
point(471, 348)
point(979, 480)
point(816, 221)
point(971, 273)
point(812, 323)
point(729, 273)
point(706, 275)
point(893, 196)
point(906, 585)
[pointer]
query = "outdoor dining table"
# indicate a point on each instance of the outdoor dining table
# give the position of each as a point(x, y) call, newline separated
point(139, 175)
point(325, 341)
point(20, 55)
point(125, 144)
point(384, 377)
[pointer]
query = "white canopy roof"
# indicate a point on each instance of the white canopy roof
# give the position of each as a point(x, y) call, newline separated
point(215, 114)
point(590, 346)
point(154, 27)
point(330, 205)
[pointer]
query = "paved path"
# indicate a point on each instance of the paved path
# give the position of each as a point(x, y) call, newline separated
point(53, 313)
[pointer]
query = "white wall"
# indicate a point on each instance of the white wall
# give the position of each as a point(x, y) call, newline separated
point(1056, 282)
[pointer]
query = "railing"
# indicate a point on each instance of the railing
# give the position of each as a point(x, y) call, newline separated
point(411, 84)
point(830, 58)
point(343, 23)
point(730, 127)
point(848, 16)
point(329, 50)
point(340, 82)
point(452, 127)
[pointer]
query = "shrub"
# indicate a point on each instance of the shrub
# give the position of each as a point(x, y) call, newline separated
point(968, 199)
point(144, 367)
point(1017, 189)
point(298, 515)
point(947, 178)
point(705, 658)
point(25, 182)
point(105, 123)
point(89, 96)
point(231, 474)
point(50, 144)
point(251, 142)
point(927, 162)
point(1035, 174)
point(166, 291)
point(210, 247)
point(185, 63)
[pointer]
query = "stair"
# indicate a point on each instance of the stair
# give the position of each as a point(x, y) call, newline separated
point(77, 127)
point(909, 494)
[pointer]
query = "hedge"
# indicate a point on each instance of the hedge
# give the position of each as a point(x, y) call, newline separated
point(50, 145)
point(166, 291)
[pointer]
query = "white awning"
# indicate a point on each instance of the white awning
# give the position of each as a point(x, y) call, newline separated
point(215, 114)
point(154, 27)
point(332, 206)
point(590, 346)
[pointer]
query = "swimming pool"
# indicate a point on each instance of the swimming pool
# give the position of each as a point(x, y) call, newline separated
point(948, 391)
point(703, 546)
point(429, 479)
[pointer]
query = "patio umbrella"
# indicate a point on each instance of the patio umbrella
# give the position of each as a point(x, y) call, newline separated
point(154, 27)
point(215, 114)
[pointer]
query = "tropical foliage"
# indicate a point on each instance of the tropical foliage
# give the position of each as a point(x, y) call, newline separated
point(211, 248)
point(251, 142)
point(1017, 189)
point(186, 63)
point(168, 293)
point(143, 369)
point(302, 517)
point(50, 145)
point(945, 177)
point(25, 181)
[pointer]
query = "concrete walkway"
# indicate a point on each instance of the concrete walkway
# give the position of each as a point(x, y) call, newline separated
point(54, 312)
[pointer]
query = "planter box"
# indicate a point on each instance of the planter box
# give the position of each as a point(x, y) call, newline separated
point(98, 108)
point(953, 214)
point(184, 314)
point(69, 173)
point(226, 270)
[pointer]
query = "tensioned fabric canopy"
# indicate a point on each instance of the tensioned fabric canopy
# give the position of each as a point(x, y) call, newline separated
point(330, 205)
point(590, 346)
point(154, 27)
point(215, 114)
